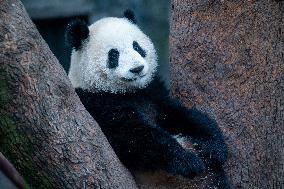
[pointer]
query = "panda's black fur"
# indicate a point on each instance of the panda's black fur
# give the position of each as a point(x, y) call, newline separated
point(140, 126)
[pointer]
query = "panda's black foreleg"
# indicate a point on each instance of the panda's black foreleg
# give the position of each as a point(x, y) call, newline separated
point(176, 159)
point(200, 129)
point(154, 149)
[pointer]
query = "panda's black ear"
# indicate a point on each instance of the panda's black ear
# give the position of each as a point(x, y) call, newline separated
point(76, 32)
point(129, 14)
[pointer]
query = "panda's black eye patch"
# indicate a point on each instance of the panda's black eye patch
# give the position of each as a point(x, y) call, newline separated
point(139, 49)
point(113, 56)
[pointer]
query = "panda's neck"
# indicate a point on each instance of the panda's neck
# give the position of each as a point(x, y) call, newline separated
point(156, 87)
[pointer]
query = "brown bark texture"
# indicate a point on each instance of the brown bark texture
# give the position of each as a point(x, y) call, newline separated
point(227, 59)
point(44, 129)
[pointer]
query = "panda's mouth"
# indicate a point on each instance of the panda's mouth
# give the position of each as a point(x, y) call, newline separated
point(132, 79)
point(128, 79)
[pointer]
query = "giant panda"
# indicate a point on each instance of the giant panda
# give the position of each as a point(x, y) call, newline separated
point(114, 71)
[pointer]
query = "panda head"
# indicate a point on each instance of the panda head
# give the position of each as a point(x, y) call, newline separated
point(111, 55)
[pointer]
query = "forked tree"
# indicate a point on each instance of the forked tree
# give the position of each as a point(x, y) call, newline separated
point(226, 59)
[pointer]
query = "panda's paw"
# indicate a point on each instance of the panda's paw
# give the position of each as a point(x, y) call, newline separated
point(187, 164)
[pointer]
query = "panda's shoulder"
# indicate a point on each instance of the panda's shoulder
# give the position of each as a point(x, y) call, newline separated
point(85, 96)
point(83, 93)
point(157, 89)
point(104, 98)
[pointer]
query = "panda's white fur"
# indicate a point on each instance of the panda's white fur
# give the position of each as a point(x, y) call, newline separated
point(88, 69)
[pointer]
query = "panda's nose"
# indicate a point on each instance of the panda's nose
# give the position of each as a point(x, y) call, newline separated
point(137, 69)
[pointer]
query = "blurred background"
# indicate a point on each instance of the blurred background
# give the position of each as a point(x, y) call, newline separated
point(51, 18)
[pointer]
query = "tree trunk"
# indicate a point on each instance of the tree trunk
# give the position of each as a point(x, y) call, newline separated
point(44, 129)
point(227, 60)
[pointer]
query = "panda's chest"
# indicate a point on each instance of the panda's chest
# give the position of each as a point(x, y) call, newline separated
point(148, 112)
point(121, 108)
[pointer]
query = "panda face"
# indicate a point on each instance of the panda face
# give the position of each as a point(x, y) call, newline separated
point(116, 57)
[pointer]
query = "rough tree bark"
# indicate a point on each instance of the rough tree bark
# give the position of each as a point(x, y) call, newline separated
point(227, 59)
point(44, 129)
